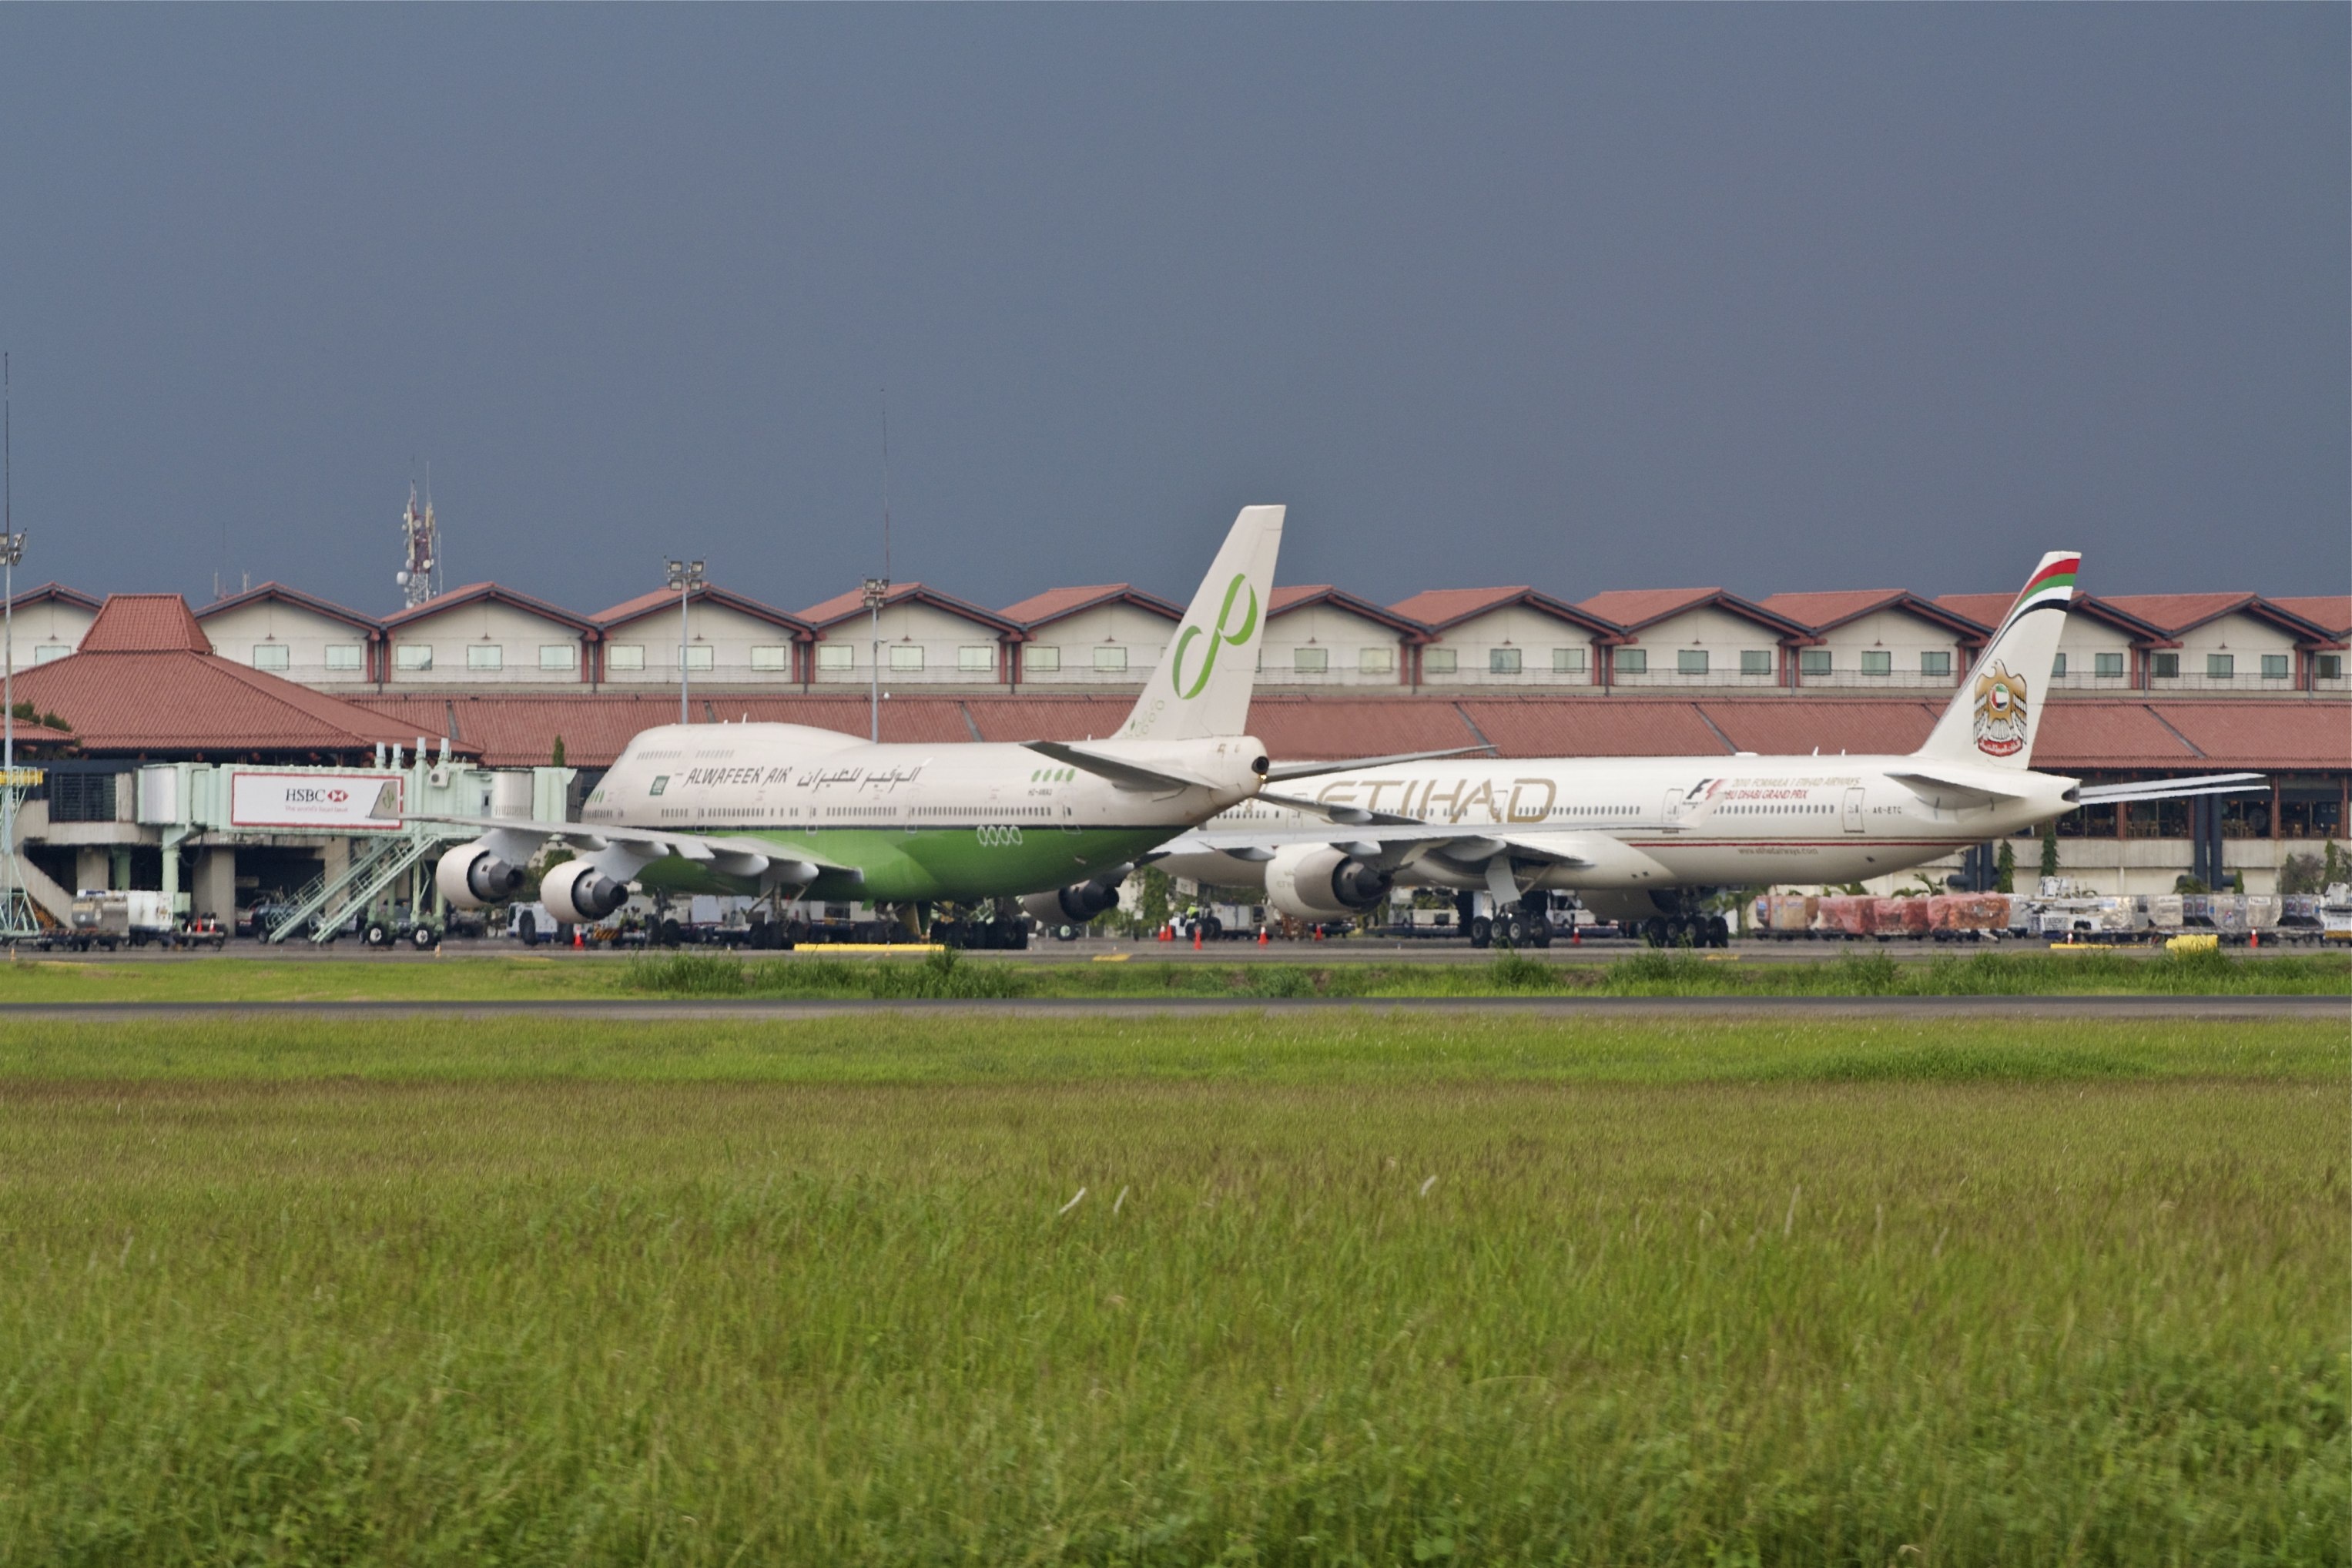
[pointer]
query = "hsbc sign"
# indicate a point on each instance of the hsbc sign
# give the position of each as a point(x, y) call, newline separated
point(347, 802)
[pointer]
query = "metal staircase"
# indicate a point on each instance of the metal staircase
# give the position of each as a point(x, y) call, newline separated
point(329, 900)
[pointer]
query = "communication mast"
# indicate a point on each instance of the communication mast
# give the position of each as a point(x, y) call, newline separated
point(420, 575)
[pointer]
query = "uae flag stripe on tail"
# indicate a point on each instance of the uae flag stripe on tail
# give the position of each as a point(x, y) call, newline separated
point(2053, 585)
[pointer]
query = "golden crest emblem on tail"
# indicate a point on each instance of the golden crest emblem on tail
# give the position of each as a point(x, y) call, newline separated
point(2001, 712)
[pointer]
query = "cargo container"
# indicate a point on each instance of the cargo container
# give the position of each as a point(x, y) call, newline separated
point(1913, 917)
point(1847, 917)
point(1968, 917)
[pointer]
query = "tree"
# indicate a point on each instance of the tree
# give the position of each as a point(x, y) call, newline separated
point(1152, 891)
point(2237, 881)
point(2004, 868)
point(2301, 873)
point(2332, 866)
point(2049, 848)
point(559, 752)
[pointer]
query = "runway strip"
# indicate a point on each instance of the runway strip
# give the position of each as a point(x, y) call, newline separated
point(2169, 1009)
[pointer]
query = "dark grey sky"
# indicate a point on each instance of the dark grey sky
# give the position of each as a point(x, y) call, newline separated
point(1591, 297)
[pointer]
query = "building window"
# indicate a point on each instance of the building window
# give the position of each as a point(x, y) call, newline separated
point(1377, 661)
point(2274, 666)
point(2220, 667)
point(81, 797)
point(1629, 660)
point(625, 655)
point(1038, 660)
point(1690, 661)
point(344, 656)
point(906, 655)
point(701, 656)
point(2331, 666)
point(2165, 665)
point(1310, 660)
point(1938, 666)
point(558, 656)
point(1110, 661)
point(1877, 661)
point(1502, 661)
point(2107, 664)
point(1756, 661)
point(1813, 661)
point(772, 656)
point(976, 658)
point(484, 656)
point(2058, 667)
point(836, 656)
point(1437, 661)
point(51, 651)
point(272, 656)
point(1567, 661)
point(413, 655)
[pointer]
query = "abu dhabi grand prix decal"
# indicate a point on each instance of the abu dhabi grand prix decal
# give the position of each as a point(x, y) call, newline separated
point(2001, 712)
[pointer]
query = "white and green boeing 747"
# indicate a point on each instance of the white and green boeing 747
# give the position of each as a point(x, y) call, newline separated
point(793, 811)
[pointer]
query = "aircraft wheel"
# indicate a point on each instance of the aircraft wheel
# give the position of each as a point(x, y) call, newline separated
point(1655, 931)
point(425, 937)
point(668, 931)
point(378, 934)
point(1482, 930)
point(1718, 931)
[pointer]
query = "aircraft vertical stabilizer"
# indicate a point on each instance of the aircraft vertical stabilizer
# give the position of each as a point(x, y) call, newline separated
point(1201, 687)
point(1998, 708)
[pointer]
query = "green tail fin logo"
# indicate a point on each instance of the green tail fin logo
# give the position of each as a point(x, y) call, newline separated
point(1217, 639)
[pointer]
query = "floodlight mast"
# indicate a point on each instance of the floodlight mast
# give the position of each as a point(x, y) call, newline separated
point(684, 576)
point(878, 590)
point(12, 550)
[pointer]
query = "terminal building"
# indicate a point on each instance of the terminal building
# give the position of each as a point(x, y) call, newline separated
point(492, 677)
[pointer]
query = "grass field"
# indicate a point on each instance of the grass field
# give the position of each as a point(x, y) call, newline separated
point(816, 975)
point(1341, 1288)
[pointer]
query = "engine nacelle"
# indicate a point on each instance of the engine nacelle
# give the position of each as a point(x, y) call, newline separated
point(1075, 905)
point(1317, 882)
point(578, 894)
point(473, 875)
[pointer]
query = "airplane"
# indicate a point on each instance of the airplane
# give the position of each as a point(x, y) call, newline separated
point(1645, 840)
point(790, 810)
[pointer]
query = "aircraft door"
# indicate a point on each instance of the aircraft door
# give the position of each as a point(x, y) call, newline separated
point(1854, 809)
point(1671, 814)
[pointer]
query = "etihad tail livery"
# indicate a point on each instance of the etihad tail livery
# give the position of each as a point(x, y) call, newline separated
point(793, 811)
point(1645, 838)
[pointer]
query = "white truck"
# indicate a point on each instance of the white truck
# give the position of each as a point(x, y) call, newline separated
point(110, 919)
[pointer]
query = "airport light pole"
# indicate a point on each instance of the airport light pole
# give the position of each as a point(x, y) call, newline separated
point(12, 550)
point(877, 589)
point(684, 576)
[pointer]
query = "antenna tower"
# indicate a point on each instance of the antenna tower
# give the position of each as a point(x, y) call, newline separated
point(420, 573)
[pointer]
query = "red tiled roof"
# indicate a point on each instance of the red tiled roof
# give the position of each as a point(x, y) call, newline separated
point(665, 599)
point(1585, 727)
point(56, 591)
point(145, 622)
point(2333, 612)
point(1639, 606)
point(1297, 593)
point(1297, 597)
point(1055, 602)
point(842, 606)
point(1821, 612)
point(2176, 612)
point(1985, 609)
point(1440, 608)
point(284, 595)
point(2077, 734)
point(472, 591)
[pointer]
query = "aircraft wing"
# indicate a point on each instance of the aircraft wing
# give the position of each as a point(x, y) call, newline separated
point(1282, 771)
point(2174, 789)
point(734, 856)
point(1467, 842)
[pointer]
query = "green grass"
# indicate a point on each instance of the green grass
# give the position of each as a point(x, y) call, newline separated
point(816, 975)
point(1345, 1288)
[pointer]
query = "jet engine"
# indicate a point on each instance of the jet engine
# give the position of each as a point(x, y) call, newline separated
point(576, 893)
point(1078, 904)
point(1314, 882)
point(474, 874)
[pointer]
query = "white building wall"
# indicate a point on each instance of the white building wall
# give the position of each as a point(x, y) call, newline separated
point(1715, 635)
point(2244, 641)
point(455, 633)
point(1902, 638)
point(741, 650)
point(938, 640)
point(316, 650)
point(1542, 644)
point(49, 630)
point(2083, 642)
point(1355, 650)
point(1109, 644)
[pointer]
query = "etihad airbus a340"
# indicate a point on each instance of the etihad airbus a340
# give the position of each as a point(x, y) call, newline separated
point(793, 811)
point(1645, 839)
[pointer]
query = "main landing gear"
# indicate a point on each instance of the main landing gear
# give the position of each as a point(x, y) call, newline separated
point(1694, 930)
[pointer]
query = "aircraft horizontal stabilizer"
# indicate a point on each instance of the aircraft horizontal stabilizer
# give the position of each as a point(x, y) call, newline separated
point(1354, 815)
point(1124, 775)
point(2175, 789)
point(1284, 771)
point(1941, 790)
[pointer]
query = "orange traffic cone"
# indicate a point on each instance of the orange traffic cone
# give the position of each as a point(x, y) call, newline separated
point(1261, 936)
point(1196, 937)
point(1318, 933)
